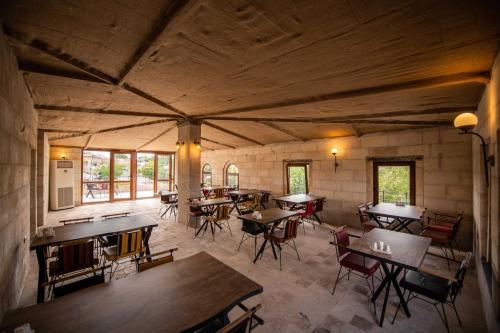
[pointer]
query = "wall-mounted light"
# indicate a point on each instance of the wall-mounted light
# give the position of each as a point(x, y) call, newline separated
point(63, 156)
point(465, 122)
point(335, 164)
point(197, 144)
point(178, 144)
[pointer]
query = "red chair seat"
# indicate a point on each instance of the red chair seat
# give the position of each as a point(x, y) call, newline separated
point(359, 263)
point(437, 236)
point(440, 228)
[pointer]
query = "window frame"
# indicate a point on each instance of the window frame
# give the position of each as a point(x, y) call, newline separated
point(306, 165)
point(171, 171)
point(204, 173)
point(411, 164)
point(227, 174)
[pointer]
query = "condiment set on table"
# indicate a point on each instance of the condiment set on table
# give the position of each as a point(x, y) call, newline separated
point(257, 215)
point(381, 247)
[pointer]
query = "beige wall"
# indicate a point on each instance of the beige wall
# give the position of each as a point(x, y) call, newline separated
point(74, 154)
point(18, 128)
point(42, 184)
point(486, 200)
point(444, 176)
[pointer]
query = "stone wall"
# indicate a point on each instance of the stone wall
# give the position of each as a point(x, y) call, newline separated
point(443, 175)
point(18, 129)
point(74, 154)
point(42, 184)
point(486, 200)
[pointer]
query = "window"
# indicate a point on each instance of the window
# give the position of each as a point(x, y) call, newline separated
point(297, 176)
point(394, 181)
point(145, 175)
point(96, 167)
point(233, 176)
point(206, 175)
point(164, 177)
point(122, 165)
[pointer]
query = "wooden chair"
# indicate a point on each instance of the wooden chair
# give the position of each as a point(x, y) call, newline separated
point(129, 244)
point(284, 236)
point(74, 260)
point(219, 193)
point(169, 202)
point(88, 219)
point(243, 324)
point(367, 223)
point(110, 240)
point(435, 289)
point(194, 213)
point(155, 259)
point(251, 205)
point(221, 216)
point(445, 222)
point(355, 264)
point(264, 199)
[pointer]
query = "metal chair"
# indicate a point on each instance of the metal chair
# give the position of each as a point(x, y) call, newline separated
point(367, 223)
point(307, 214)
point(221, 216)
point(250, 230)
point(129, 244)
point(435, 289)
point(284, 236)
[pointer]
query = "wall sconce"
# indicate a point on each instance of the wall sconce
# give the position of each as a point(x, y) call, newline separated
point(63, 156)
point(178, 144)
point(465, 122)
point(197, 143)
point(335, 164)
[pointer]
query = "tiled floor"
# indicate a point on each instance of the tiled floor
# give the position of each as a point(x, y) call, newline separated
point(298, 298)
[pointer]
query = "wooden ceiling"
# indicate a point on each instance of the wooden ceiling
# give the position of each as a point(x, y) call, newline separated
point(120, 74)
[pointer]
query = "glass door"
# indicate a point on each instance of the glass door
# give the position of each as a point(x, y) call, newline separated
point(164, 177)
point(122, 166)
point(95, 176)
point(145, 175)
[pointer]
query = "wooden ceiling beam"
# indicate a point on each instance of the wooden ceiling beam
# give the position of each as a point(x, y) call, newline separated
point(222, 129)
point(282, 130)
point(89, 139)
point(30, 67)
point(113, 129)
point(68, 108)
point(339, 121)
point(354, 130)
point(173, 8)
point(157, 137)
point(434, 82)
point(87, 68)
point(218, 143)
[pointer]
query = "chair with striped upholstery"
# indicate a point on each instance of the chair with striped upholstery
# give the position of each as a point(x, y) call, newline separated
point(284, 236)
point(221, 216)
point(129, 244)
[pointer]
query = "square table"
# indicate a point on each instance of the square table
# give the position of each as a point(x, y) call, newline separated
point(270, 216)
point(181, 296)
point(407, 252)
point(80, 231)
point(402, 216)
point(298, 199)
point(239, 196)
point(208, 207)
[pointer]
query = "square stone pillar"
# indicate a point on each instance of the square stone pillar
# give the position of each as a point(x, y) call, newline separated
point(188, 165)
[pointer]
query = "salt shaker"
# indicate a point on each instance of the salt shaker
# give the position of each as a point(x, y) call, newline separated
point(387, 248)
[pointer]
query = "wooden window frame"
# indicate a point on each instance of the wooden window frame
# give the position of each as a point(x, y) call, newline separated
point(171, 171)
point(112, 175)
point(411, 164)
point(306, 165)
point(203, 173)
point(232, 174)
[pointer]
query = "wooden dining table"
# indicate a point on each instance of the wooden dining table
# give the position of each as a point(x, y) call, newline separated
point(238, 196)
point(407, 252)
point(271, 218)
point(400, 217)
point(81, 231)
point(178, 297)
point(207, 191)
point(296, 200)
point(208, 208)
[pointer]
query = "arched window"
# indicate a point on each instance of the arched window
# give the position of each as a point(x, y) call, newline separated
point(206, 175)
point(232, 176)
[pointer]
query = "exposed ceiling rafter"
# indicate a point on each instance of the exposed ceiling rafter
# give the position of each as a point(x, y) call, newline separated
point(218, 143)
point(354, 130)
point(439, 81)
point(222, 129)
point(68, 108)
point(113, 129)
point(157, 137)
point(87, 68)
point(30, 67)
point(282, 130)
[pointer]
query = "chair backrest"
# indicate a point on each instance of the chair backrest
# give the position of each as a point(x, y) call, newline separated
point(256, 199)
point(219, 193)
point(291, 228)
point(129, 243)
point(88, 219)
point(264, 197)
point(341, 237)
point(234, 197)
point(456, 225)
point(168, 198)
point(319, 205)
point(75, 256)
point(222, 213)
point(369, 204)
point(309, 208)
point(195, 209)
point(115, 215)
point(205, 192)
point(458, 284)
point(363, 215)
point(155, 259)
point(242, 324)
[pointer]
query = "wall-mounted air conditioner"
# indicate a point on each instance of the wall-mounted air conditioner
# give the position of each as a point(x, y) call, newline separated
point(61, 184)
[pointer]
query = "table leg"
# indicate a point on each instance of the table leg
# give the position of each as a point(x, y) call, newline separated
point(390, 278)
point(147, 235)
point(201, 228)
point(404, 225)
point(317, 218)
point(279, 204)
point(42, 274)
point(261, 250)
point(274, 251)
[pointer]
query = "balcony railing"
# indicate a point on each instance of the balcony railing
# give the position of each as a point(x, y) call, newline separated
point(393, 197)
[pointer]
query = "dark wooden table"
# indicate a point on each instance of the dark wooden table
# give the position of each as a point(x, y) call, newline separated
point(211, 189)
point(208, 207)
point(296, 200)
point(239, 196)
point(271, 218)
point(407, 252)
point(179, 297)
point(402, 216)
point(80, 231)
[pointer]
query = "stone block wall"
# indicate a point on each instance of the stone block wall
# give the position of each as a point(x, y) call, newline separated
point(74, 154)
point(443, 175)
point(42, 183)
point(486, 199)
point(18, 133)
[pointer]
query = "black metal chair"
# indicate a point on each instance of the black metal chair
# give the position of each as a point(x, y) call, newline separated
point(435, 289)
point(250, 230)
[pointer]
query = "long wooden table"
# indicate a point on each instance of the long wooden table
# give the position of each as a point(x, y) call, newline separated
point(298, 199)
point(80, 231)
point(178, 297)
point(402, 216)
point(407, 252)
point(271, 218)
